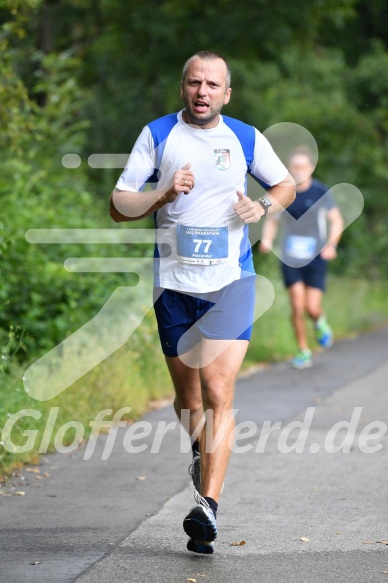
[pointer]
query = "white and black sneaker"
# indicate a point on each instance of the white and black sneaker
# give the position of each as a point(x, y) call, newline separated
point(201, 526)
point(200, 546)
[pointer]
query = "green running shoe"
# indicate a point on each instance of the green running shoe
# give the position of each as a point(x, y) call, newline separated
point(323, 332)
point(302, 359)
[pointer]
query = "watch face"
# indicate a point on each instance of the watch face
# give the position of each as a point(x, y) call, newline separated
point(266, 202)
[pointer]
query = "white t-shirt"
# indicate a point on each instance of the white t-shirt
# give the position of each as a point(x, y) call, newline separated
point(209, 242)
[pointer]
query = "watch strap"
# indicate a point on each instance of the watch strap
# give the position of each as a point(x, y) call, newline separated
point(265, 205)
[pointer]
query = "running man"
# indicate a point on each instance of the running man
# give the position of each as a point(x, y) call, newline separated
point(304, 271)
point(198, 161)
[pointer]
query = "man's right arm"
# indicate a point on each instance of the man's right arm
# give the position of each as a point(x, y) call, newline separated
point(128, 205)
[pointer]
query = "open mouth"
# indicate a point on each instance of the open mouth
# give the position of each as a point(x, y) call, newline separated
point(200, 106)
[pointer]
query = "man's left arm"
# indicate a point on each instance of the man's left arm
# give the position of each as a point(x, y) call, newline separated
point(280, 196)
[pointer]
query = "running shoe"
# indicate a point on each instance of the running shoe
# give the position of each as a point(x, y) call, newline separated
point(200, 546)
point(323, 332)
point(200, 525)
point(195, 472)
point(302, 359)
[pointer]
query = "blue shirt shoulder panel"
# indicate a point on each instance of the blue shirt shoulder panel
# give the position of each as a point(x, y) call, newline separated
point(161, 127)
point(245, 134)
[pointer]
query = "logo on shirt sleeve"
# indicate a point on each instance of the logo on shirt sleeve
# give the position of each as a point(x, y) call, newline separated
point(222, 158)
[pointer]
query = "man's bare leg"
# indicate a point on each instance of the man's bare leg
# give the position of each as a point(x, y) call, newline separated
point(314, 302)
point(219, 362)
point(188, 393)
point(217, 382)
point(209, 391)
point(297, 294)
point(204, 384)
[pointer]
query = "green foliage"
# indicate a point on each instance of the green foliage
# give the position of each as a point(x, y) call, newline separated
point(39, 299)
point(42, 303)
point(357, 34)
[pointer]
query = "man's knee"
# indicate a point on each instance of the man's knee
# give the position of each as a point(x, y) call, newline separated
point(313, 309)
point(187, 402)
point(313, 312)
point(217, 396)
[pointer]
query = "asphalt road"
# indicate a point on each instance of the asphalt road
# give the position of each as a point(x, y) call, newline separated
point(293, 509)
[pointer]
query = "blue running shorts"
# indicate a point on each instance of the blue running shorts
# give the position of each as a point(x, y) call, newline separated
point(226, 314)
point(312, 275)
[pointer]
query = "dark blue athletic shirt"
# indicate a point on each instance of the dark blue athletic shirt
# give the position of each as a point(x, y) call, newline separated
point(305, 226)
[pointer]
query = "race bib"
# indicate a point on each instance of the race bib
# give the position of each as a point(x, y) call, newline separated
point(301, 247)
point(202, 245)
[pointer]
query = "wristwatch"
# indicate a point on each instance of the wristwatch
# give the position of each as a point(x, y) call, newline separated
point(265, 203)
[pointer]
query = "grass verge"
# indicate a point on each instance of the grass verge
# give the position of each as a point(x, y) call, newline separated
point(131, 377)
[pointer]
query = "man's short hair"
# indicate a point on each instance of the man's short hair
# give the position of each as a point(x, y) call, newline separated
point(207, 55)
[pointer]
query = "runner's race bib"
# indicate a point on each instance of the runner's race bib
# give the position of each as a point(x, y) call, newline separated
point(301, 247)
point(202, 245)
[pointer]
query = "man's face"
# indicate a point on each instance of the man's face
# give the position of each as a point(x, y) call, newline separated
point(300, 167)
point(204, 91)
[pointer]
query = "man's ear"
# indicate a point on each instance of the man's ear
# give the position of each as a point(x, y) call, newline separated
point(227, 95)
point(181, 90)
